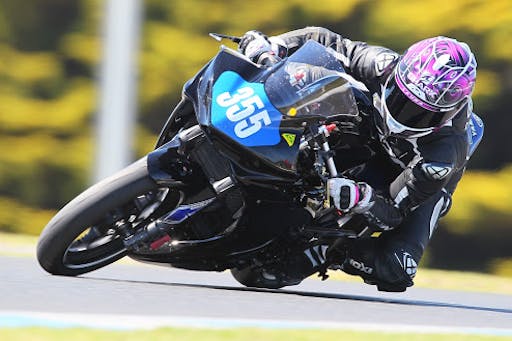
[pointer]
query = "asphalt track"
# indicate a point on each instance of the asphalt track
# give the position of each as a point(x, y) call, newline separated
point(129, 296)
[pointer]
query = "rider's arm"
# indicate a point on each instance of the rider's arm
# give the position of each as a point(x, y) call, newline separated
point(439, 168)
point(366, 63)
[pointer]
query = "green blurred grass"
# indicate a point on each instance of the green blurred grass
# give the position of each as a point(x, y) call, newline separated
point(46, 334)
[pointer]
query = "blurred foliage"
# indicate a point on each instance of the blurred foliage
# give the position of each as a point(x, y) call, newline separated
point(477, 231)
point(50, 51)
point(16, 217)
point(480, 196)
point(502, 267)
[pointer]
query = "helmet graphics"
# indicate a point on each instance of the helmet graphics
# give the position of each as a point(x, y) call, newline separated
point(430, 84)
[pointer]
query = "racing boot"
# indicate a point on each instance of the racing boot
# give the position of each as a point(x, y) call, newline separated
point(390, 270)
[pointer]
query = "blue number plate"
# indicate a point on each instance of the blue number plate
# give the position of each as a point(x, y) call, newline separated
point(242, 111)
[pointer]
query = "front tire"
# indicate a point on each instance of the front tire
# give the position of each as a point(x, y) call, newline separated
point(76, 241)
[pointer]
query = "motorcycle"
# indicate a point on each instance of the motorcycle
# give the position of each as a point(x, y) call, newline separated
point(237, 179)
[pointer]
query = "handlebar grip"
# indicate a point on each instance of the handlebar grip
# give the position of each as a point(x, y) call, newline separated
point(268, 59)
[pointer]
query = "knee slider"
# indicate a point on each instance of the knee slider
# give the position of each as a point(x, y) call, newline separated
point(390, 268)
point(396, 269)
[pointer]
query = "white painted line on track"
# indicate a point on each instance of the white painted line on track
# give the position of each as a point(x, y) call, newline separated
point(20, 319)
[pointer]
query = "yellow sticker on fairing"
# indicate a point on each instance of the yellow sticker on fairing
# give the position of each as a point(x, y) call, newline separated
point(289, 138)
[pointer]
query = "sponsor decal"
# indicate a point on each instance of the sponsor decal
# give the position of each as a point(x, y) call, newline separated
point(298, 78)
point(317, 254)
point(477, 120)
point(289, 138)
point(475, 132)
point(360, 266)
point(424, 85)
point(183, 212)
point(409, 264)
point(297, 74)
point(436, 171)
point(416, 90)
point(382, 62)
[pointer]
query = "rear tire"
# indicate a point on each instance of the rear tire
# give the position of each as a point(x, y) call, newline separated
point(58, 250)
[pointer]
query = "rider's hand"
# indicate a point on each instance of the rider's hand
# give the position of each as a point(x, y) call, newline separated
point(261, 49)
point(253, 44)
point(349, 195)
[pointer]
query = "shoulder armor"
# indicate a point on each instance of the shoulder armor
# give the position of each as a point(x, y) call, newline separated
point(437, 170)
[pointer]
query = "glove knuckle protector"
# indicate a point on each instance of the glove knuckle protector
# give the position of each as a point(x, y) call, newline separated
point(251, 41)
point(345, 193)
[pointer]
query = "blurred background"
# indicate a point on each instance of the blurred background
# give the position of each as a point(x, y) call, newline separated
point(51, 53)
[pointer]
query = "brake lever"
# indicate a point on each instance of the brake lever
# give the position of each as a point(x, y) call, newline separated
point(220, 36)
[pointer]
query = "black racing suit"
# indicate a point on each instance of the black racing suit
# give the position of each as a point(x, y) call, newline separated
point(413, 179)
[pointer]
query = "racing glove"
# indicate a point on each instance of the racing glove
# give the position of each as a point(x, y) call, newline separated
point(350, 196)
point(373, 213)
point(260, 49)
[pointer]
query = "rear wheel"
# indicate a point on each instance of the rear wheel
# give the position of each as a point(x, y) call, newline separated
point(86, 234)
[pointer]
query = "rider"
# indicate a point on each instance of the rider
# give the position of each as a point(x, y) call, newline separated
point(426, 131)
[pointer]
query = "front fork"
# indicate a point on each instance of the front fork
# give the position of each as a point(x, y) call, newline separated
point(325, 131)
point(328, 215)
point(182, 164)
point(168, 166)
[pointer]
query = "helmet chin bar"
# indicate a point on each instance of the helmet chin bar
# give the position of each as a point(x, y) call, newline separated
point(388, 126)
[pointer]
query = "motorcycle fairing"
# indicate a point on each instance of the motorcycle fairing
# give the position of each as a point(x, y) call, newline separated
point(223, 93)
point(183, 212)
point(243, 111)
point(273, 159)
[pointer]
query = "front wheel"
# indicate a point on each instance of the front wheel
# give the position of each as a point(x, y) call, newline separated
point(85, 234)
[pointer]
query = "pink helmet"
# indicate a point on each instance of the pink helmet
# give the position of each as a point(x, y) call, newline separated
point(430, 84)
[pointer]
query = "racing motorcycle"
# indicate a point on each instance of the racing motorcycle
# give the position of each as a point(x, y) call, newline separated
point(237, 180)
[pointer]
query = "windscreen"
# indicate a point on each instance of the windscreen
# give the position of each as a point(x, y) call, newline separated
point(311, 83)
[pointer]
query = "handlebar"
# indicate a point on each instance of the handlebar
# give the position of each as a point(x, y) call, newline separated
point(331, 166)
point(268, 59)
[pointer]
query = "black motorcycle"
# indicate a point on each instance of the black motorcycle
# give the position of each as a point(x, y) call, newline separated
point(237, 179)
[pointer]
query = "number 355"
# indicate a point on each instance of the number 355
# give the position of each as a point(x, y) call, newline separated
point(246, 109)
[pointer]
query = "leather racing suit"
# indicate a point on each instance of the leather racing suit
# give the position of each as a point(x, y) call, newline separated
point(413, 178)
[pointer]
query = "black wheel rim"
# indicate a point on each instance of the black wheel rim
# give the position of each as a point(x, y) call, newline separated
point(93, 249)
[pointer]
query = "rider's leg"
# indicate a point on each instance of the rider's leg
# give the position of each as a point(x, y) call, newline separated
point(391, 260)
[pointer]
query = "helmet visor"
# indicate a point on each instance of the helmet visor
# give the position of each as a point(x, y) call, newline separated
point(402, 107)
